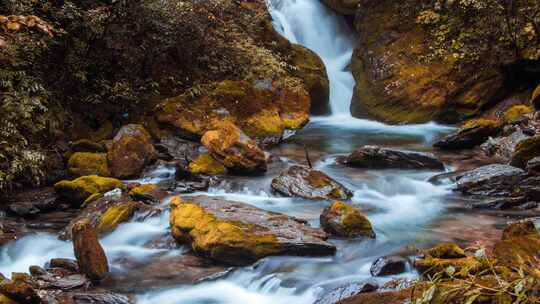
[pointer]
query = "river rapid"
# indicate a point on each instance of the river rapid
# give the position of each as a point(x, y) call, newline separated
point(404, 208)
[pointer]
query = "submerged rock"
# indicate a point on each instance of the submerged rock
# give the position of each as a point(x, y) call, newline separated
point(389, 265)
point(491, 180)
point(343, 220)
point(83, 163)
point(470, 136)
point(239, 234)
point(310, 184)
point(131, 151)
point(231, 147)
point(86, 188)
point(90, 256)
point(373, 157)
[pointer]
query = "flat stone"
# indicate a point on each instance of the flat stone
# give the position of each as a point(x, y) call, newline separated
point(374, 157)
point(492, 180)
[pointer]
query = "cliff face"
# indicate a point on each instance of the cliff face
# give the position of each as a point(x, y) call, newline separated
point(70, 68)
point(422, 60)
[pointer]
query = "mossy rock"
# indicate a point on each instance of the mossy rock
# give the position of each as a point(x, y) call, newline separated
point(83, 163)
point(82, 189)
point(520, 228)
point(463, 266)
point(516, 112)
point(481, 122)
point(141, 192)
point(114, 216)
point(446, 251)
point(206, 164)
point(525, 151)
point(343, 220)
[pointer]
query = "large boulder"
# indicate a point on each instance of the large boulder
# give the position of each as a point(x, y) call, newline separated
point(492, 180)
point(308, 183)
point(470, 135)
point(343, 220)
point(525, 151)
point(131, 151)
point(347, 7)
point(236, 151)
point(86, 188)
point(373, 157)
point(90, 256)
point(84, 163)
point(262, 109)
point(239, 234)
point(407, 71)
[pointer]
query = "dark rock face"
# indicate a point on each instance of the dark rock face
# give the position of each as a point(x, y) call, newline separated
point(389, 265)
point(373, 157)
point(90, 255)
point(239, 234)
point(343, 220)
point(468, 137)
point(491, 180)
point(310, 184)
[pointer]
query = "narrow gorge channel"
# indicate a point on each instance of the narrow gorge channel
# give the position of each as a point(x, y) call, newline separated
point(405, 209)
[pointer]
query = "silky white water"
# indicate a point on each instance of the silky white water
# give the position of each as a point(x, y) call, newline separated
point(399, 203)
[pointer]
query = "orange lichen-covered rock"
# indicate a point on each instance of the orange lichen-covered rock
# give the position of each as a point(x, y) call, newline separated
point(206, 164)
point(343, 220)
point(131, 151)
point(236, 151)
point(82, 189)
point(239, 234)
point(88, 251)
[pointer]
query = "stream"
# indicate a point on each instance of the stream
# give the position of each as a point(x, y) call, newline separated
point(404, 208)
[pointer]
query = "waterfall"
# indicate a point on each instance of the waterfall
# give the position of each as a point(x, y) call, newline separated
point(311, 24)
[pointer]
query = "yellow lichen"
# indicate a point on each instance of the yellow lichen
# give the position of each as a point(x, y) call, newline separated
point(139, 192)
point(84, 187)
point(82, 163)
point(206, 164)
point(516, 112)
point(114, 216)
point(480, 122)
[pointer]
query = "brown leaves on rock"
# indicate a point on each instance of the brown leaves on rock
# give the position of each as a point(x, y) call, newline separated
point(15, 23)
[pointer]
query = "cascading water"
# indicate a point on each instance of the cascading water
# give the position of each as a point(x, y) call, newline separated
point(399, 203)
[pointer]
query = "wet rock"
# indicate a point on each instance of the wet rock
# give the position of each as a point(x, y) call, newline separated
point(525, 151)
point(94, 298)
point(239, 234)
point(19, 291)
point(342, 292)
point(86, 188)
point(106, 214)
point(68, 264)
point(389, 265)
point(131, 151)
point(506, 203)
point(231, 147)
point(83, 163)
point(469, 136)
point(177, 149)
point(519, 228)
point(491, 180)
point(447, 177)
point(347, 7)
point(148, 193)
point(310, 184)
point(530, 188)
point(90, 256)
point(86, 145)
point(343, 220)
point(24, 209)
point(162, 272)
point(503, 147)
point(206, 164)
point(373, 157)
point(533, 166)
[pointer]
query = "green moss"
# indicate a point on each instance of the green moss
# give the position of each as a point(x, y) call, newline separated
point(206, 164)
point(114, 216)
point(140, 192)
point(82, 188)
point(446, 251)
point(352, 221)
point(83, 163)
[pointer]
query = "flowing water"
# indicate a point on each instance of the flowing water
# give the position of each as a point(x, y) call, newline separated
point(404, 208)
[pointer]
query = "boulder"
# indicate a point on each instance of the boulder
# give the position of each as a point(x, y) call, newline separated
point(525, 151)
point(492, 180)
point(86, 188)
point(346, 7)
point(131, 151)
point(239, 234)
point(373, 157)
point(343, 220)
point(262, 109)
point(88, 251)
point(84, 163)
point(231, 147)
point(389, 265)
point(308, 183)
point(312, 70)
point(206, 164)
point(470, 135)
